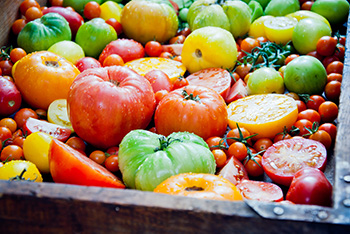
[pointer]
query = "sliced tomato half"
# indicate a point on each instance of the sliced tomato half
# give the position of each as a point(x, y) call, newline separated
point(234, 171)
point(260, 190)
point(284, 158)
point(237, 91)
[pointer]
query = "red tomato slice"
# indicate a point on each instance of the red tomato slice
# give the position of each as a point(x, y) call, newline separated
point(284, 158)
point(215, 78)
point(69, 166)
point(237, 91)
point(261, 191)
point(234, 171)
point(34, 125)
point(174, 49)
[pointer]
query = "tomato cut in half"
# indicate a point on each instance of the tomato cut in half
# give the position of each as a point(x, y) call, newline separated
point(284, 158)
point(260, 190)
point(234, 171)
point(69, 166)
point(237, 91)
point(174, 49)
point(215, 78)
point(55, 130)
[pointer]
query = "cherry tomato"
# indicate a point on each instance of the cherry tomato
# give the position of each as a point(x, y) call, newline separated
point(41, 113)
point(153, 48)
point(11, 152)
point(92, 10)
point(23, 114)
point(180, 39)
point(301, 105)
point(180, 82)
point(310, 114)
point(18, 141)
point(261, 191)
point(76, 143)
point(328, 111)
point(323, 137)
point(303, 125)
point(16, 54)
point(310, 186)
point(314, 102)
point(159, 80)
point(33, 13)
point(327, 60)
point(186, 31)
point(112, 163)
point(234, 133)
point(114, 150)
point(238, 150)
point(330, 128)
point(98, 156)
point(216, 142)
point(26, 4)
point(253, 166)
point(5, 134)
point(18, 25)
point(166, 55)
point(116, 25)
point(220, 157)
point(262, 144)
point(6, 67)
point(340, 52)
point(334, 76)
point(335, 67)
point(306, 5)
point(56, 2)
point(326, 45)
point(248, 44)
point(113, 60)
point(290, 58)
point(9, 123)
point(280, 137)
point(332, 90)
point(243, 70)
point(316, 55)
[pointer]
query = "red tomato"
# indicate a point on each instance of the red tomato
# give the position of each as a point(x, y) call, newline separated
point(303, 125)
point(119, 100)
point(159, 80)
point(234, 135)
point(262, 144)
point(243, 69)
point(340, 52)
point(335, 67)
point(261, 191)
point(195, 109)
point(314, 102)
point(76, 143)
point(301, 105)
point(33, 13)
point(328, 111)
point(153, 48)
point(311, 115)
point(326, 45)
point(18, 25)
point(180, 82)
point(330, 128)
point(5, 134)
point(334, 76)
point(253, 166)
point(128, 49)
point(234, 171)
point(86, 63)
point(11, 152)
point(177, 39)
point(116, 25)
point(113, 60)
point(10, 98)
point(327, 60)
point(112, 163)
point(220, 157)
point(332, 90)
point(248, 44)
point(6, 67)
point(215, 78)
point(166, 54)
point(16, 54)
point(290, 58)
point(316, 55)
point(323, 137)
point(26, 4)
point(306, 5)
point(310, 186)
point(283, 159)
point(238, 150)
point(237, 91)
point(280, 137)
point(98, 156)
point(216, 142)
point(23, 114)
point(71, 167)
point(92, 10)
point(56, 131)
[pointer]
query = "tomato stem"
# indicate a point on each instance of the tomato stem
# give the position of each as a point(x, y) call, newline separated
point(190, 96)
point(194, 188)
point(164, 143)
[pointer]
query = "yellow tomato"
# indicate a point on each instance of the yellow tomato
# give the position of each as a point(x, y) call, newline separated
point(264, 114)
point(13, 169)
point(68, 50)
point(109, 10)
point(36, 150)
point(257, 28)
point(209, 47)
point(58, 114)
point(303, 14)
point(280, 29)
point(172, 68)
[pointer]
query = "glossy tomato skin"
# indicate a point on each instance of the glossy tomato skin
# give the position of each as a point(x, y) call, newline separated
point(86, 63)
point(159, 80)
point(10, 98)
point(206, 116)
point(104, 104)
point(310, 186)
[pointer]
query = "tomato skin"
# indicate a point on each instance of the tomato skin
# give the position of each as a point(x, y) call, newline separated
point(262, 144)
point(10, 99)
point(323, 137)
point(326, 45)
point(328, 111)
point(334, 76)
point(16, 54)
point(33, 13)
point(248, 44)
point(234, 171)
point(26, 4)
point(335, 67)
point(310, 186)
point(159, 80)
point(92, 10)
point(6, 67)
point(238, 150)
point(86, 63)
point(153, 48)
point(330, 128)
point(314, 102)
point(18, 25)
point(311, 115)
point(261, 191)
point(112, 163)
point(332, 90)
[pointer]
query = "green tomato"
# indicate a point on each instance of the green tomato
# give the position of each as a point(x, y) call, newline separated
point(265, 80)
point(281, 7)
point(43, 32)
point(94, 35)
point(68, 50)
point(146, 159)
point(263, 3)
point(12, 170)
point(307, 32)
point(78, 5)
point(257, 10)
point(183, 14)
point(305, 75)
point(335, 11)
point(239, 15)
point(36, 150)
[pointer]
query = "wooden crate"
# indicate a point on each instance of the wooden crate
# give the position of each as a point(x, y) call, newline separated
point(27, 207)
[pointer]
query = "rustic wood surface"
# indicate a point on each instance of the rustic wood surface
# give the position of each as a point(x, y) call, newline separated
point(27, 207)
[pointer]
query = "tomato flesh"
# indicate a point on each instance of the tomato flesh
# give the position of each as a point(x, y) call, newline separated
point(261, 191)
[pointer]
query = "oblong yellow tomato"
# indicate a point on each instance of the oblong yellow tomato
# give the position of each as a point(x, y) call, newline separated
point(43, 77)
point(263, 114)
point(199, 185)
point(209, 47)
point(280, 29)
point(36, 150)
point(149, 20)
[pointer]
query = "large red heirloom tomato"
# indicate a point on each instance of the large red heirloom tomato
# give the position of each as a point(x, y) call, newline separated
point(104, 104)
point(195, 109)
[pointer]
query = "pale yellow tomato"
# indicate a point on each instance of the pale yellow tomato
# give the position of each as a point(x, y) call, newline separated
point(36, 150)
point(209, 47)
point(57, 113)
point(257, 28)
point(68, 50)
point(109, 10)
point(280, 29)
point(15, 169)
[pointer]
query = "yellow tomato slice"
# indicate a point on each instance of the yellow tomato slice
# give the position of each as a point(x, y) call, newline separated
point(57, 113)
point(172, 68)
point(264, 114)
point(280, 29)
point(257, 28)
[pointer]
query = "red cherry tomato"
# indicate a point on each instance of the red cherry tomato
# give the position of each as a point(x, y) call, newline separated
point(332, 90)
point(303, 125)
point(314, 102)
point(92, 10)
point(153, 48)
point(311, 115)
point(328, 111)
point(326, 45)
point(330, 128)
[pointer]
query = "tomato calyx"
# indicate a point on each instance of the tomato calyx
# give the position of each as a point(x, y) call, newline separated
point(52, 63)
point(190, 96)
point(251, 156)
point(21, 178)
point(241, 138)
point(5, 52)
point(194, 188)
point(165, 142)
point(312, 130)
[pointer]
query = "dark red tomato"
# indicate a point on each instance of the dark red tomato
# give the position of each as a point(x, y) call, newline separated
point(57, 131)
point(76, 143)
point(290, 58)
point(116, 25)
point(323, 137)
point(5, 134)
point(180, 82)
point(18, 25)
point(248, 44)
point(159, 80)
point(153, 48)
point(180, 39)
point(185, 32)
point(328, 111)
point(327, 60)
point(92, 10)
point(342, 40)
point(234, 171)
point(334, 76)
point(306, 5)
point(335, 67)
point(332, 90)
point(316, 55)
point(330, 128)
point(314, 102)
point(303, 125)
point(340, 52)
point(261, 191)
point(311, 115)
point(10, 98)
point(326, 45)
point(301, 105)
point(112, 163)
point(86, 63)
point(114, 150)
point(310, 186)
point(6, 67)
point(283, 159)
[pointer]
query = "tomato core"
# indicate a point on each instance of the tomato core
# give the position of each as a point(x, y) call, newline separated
point(198, 53)
point(116, 83)
point(52, 63)
point(194, 188)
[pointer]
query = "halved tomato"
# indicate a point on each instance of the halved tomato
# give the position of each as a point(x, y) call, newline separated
point(237, 91)
point(284, 158)
point(260, 190)
point(234, 171)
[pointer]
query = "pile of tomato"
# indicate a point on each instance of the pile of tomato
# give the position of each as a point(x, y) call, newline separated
point(239, 155)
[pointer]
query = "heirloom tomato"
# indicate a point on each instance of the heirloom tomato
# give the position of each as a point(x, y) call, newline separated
point(302, 14)
point(68, 50)
point(146, 159)
point(20, 170)
point(195, 109)
point(110, 9)
point(104, 104)
point(10, 98)
point(200, 185)
point(281, 7)
point(265, 80)
point(43, 77)
point(280, 29)
point(139, 18)
point(335, 11)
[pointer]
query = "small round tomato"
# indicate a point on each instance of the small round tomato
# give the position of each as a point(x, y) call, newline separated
point(18, 141)
point(92, 10)
point(180, 82)
point(26, 4)
point(11, 152)
point(23, 114)
point(87, 62)
point(340, 52)
point(261, 191)
point(290, 58)
point(243, 69)
point(310, 186)
point(18, 25)
point(159, 80)
point(238, 150)
point(306, 5)
point(114, 150)
point(76, 143)
point(177, 39)
point(235, 134)
point(311, 115)
point(166, 54)
point(332, 90)
point(326, 45)
point(112, 163)
point(113, 60)
point(330, 128)
point(56, 2)
point(335, 67)
point(20, 170)
point(116, 25)
point(329, 59)
point(281, 136)
point(220, 157)
point(9, 123)
point(6, 67)
point(301, 105)
point(16, 54)
point(262, 144)
point(314, 102)
point(248, 44)
point(328, 111)
point(153, 48)
point(216, 142)
point(98, 156)
point(303, 125)
point(334, 76)
point(323, 137)
point(5, 133)
point(33, 13)
point(315, 55)
point(253, 166)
